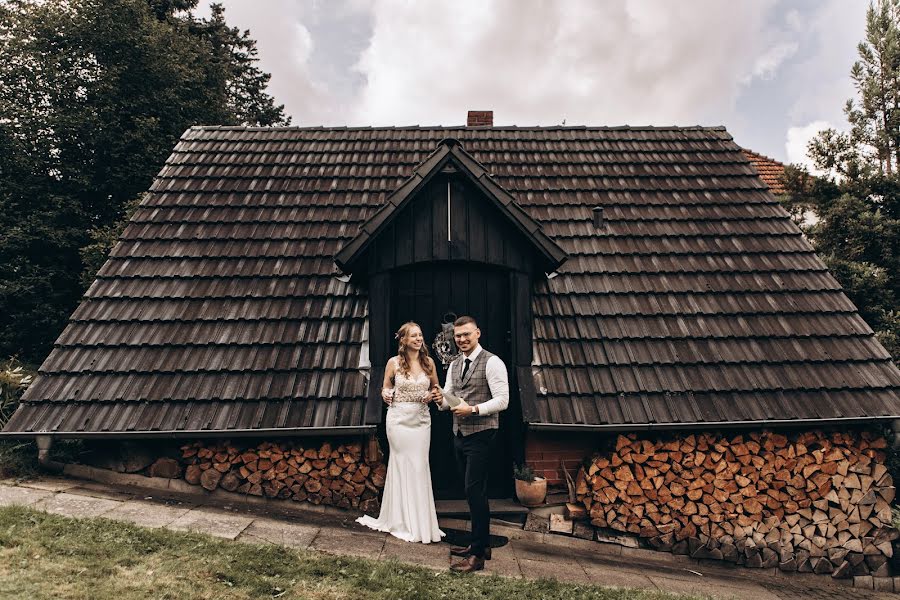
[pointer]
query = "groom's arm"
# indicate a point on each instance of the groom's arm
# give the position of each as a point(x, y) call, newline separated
point(498, 382)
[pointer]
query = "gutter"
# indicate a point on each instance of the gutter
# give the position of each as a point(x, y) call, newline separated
point(45, 437)
point(704, 424)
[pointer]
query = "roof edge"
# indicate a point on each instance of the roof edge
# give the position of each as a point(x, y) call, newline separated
point(195, 433)
point(584, 427)
point(372, 226)
point(449, 149)
point(461, 128)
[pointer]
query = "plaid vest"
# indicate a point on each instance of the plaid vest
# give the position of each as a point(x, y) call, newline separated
point(473, 390)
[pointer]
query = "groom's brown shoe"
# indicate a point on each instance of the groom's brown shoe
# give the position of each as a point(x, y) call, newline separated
point(467, 550)
point(468, 564)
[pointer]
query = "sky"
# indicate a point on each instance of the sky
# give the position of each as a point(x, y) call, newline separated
point(773, 72)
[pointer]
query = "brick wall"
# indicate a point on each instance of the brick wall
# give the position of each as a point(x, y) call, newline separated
point(544, 450)
point(480, 118)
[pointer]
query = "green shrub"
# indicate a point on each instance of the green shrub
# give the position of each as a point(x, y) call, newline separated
point(523, 472)
point(14, 379)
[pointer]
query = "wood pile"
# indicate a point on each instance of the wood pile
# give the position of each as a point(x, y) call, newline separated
point(322, 474)
point(811, 502)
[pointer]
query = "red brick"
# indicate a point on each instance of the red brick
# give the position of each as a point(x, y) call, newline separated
point(543, 451)
point(480, 118)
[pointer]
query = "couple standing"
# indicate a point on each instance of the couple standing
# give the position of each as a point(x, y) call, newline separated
point(480, 380)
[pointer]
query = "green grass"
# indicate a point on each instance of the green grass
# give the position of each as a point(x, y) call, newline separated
point(48, 556)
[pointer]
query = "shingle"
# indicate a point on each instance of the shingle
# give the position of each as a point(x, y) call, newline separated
point(698, 301)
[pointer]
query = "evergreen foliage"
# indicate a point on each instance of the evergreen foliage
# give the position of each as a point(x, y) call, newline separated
point(857, 205)
point(93, 96)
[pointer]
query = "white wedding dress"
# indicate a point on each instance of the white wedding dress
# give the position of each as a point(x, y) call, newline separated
point(407, 507)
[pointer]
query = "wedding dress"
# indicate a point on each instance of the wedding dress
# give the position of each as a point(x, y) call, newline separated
point(407, 507)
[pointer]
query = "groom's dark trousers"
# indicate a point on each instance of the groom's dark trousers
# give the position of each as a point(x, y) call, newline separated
point(473, 454)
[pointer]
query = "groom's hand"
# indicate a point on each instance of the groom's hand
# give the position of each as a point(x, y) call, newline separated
point(462, 410)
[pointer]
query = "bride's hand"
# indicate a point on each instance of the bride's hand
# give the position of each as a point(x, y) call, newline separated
point(387, 394)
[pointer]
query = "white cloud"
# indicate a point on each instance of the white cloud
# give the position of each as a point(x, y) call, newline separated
point(798, 139)
point(539, 63)
point(819, 82)
point(767, 64)
point(281, 29)
point(755, 67)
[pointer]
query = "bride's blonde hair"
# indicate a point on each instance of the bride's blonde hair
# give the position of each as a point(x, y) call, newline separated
point(424, 358)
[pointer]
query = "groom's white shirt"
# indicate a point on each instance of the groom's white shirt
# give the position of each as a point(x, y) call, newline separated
point(498, 382)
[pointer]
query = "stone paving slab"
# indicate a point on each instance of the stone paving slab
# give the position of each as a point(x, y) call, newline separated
point(615, 576)
point(21, 495)
point(503, 562)
point(349, 541)
point(51, 484)
point(434, 556)
point(75, 505)
point(220, 523)
point(282, 533)
point(797, 590)
point(568, 571)
point(97, 492)
point(149, 514)
point(527, 550)
point(716, 588)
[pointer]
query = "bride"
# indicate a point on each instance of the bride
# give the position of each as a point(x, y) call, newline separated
point(407, 508)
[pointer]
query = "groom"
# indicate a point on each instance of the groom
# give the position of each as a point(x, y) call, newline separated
point(479, 378)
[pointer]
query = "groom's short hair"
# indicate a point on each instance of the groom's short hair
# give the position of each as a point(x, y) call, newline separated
point(464, 320)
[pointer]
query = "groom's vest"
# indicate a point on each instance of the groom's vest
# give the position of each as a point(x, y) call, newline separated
point(473, 390)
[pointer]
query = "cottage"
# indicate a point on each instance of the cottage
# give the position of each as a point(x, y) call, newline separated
point(634, 280)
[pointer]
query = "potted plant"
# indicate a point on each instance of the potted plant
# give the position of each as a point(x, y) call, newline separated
point(530, 489)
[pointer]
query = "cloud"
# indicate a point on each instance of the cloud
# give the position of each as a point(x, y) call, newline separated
point(756, 67)
point(283, 30)
point(768, 63)
point(819, 81)
point(648, 62)
point(798, 139)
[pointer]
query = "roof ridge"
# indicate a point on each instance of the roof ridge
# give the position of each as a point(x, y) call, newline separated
point(460, 127)
point(748, 151)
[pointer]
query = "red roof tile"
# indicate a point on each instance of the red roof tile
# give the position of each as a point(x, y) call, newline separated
point(770, 170)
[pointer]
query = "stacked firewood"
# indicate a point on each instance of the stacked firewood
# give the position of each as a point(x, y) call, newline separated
point(810, 502)
point(338, 476)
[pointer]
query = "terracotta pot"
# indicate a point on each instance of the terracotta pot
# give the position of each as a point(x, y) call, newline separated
point(531, 493)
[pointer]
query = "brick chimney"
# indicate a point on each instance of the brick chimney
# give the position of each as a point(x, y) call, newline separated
point(480, 118)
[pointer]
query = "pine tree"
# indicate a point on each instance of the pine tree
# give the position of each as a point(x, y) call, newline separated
point(858, 203)
point(875, 117)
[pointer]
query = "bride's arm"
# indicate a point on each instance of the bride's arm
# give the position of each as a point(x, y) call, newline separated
point(387, 386)
point(443, 405)
point(435, 384)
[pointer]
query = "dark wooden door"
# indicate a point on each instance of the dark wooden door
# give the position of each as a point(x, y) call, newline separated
point(425, 294)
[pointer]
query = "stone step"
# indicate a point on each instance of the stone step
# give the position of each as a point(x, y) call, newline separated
point(499, 507)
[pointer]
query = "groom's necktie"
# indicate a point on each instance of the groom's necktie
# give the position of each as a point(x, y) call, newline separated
point(466, 368)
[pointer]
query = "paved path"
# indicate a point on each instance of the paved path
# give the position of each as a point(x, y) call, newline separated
point(527, 554)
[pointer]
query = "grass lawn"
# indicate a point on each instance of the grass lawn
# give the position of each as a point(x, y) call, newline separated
point(48, 556)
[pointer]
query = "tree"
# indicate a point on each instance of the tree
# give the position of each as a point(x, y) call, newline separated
point(857, 204)
point(875, 118)
point(93, 96)
point(243, 83)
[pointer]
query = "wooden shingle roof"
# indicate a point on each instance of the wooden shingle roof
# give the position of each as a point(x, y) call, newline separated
point(221, 309)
